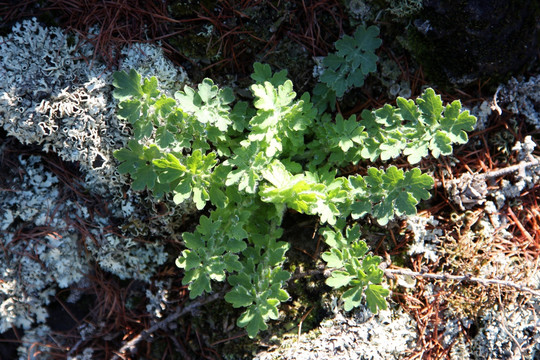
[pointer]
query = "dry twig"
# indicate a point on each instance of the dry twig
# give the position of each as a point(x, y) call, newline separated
point(465, 278)
point(131, 346)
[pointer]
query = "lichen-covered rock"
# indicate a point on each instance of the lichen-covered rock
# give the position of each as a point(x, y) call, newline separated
point(458, 42)
point(50, 96)
point(358, 336)
point(33, 342)
point(512, 333)
point(43, 251)
point(125, 257)
point(426, 237)
point(369, 10)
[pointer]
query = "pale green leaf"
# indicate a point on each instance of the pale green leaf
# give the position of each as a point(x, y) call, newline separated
point(333, 258)
point(129, 110)
point(352, 298)
point(149, 87)
point(339, 279)
point(376, 297)
point(199, 286)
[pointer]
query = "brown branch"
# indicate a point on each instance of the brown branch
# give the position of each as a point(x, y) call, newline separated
point(465, 278)
point(520, 168)
point(131, 346)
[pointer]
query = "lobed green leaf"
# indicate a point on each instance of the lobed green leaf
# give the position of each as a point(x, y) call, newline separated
point(127, 85)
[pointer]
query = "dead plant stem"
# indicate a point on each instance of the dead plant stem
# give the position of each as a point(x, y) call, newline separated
point(131, 346)
point(465, 278)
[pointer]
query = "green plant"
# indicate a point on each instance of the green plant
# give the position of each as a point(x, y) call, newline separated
point(348, 67)
point(248, 163)
point(354, 59)
point(361, 272)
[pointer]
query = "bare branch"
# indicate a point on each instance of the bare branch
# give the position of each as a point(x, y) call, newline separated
point(131, 346)
point(520, 168)
point(465, 278)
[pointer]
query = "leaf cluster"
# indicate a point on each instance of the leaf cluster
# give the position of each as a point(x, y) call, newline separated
point(248, 162)
point(355, 269)
point(354, 59)
point(415, 129)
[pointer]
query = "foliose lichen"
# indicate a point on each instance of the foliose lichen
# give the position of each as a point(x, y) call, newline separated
point(426, 237)
point(511, 333)
point(33, 344)
point(50, 96)
point(369, 10)
point(386, 335)
point(53, 97)
point(522, 97)
point(39, 253)
point(526, 179)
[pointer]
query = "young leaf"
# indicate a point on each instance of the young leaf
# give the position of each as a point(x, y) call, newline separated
point(262, 73)
point(164, 137)
point(253, 321)
point(456, 124)
point(430, 105)
point(200, 285)
point(352, 298)
point(130, 110)
point(137, 161)
point(150, 87)
point(339, 279)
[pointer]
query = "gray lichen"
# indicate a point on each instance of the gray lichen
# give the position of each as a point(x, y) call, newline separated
point(389, 75)
point(158, 301)
point(482, 112)
point(522, 97)
point(511, 333)
point(125, 257)
point(87, 354)
point(404, 8)
point(370, 10)
point(35, 263)
point(33, 344)
point(525, 179)
point(470, 190)
point(361, 336)
point(51, 97)
point(426, 237)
